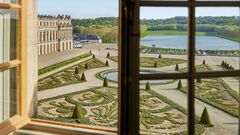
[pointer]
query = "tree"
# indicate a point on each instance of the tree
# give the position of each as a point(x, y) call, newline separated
point(148, 87)
point(179, 84)
point(108, 55)
point(205, 119)
point(77, 114)
point(76, 70)
point(204, 62)
point(83, 78)
point(86, 65)
point(106, 64)
point(199, 80)
point(176, 67)
point(155, 64)
point(93, 56)
point(105, 82)
point(159, 56)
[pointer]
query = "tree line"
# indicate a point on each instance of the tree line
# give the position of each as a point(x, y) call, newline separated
point(106, 27)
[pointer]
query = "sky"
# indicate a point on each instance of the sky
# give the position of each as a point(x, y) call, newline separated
point(109, 8)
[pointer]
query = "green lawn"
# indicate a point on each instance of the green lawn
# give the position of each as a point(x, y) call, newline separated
point(169, 32)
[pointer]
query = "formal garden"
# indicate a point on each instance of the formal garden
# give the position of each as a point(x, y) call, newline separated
point(98, 106)
point(216, 92)
point(72, 75)
point(153, 62)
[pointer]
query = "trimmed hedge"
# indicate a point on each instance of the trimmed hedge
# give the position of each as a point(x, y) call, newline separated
point(63, 63)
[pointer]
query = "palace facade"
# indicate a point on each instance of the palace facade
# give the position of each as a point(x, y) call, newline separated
point(54, 34)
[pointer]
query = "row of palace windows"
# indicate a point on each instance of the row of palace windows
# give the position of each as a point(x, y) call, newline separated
point(44, 23)
point(52, 35)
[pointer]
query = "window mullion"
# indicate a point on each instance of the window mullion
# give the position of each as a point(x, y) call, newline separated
point(129, 68)
point(191, 67)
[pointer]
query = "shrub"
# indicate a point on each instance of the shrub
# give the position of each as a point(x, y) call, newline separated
point(199, 80)
point(155, 64)
point(159, 56)
point(90, 51)
point(179, 84)
point(93, 56)
point(176, 67)
point(222, 64)
point(105, 82)
point(108, 55)
point(205, 119)
point(76, 70)
point(77, 114)
point(106, 64)
point(204, 62)
point(86, 65)
point(148, 87)
point(83, 78)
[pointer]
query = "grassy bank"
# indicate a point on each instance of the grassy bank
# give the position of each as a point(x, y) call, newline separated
point(169, 32)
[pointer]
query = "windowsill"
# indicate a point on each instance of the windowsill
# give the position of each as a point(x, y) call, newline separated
point(66, 128)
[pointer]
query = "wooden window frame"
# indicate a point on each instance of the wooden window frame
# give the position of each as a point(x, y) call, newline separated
point(21, 118)
point(129, 36)
point(191, 74)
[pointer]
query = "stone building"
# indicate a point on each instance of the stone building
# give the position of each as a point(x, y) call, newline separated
point(54, 34)
point(80, 40)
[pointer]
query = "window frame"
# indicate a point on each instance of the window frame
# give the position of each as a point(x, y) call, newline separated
point(129, 36)
point(191, 74)
point(21, 118)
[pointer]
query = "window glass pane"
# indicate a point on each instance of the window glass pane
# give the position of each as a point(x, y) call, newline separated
point(217, 104)
point(78, 62)
point(219, 47)
point(8, 93)
point(163, 107)
point(163, 43)
point(8, 35)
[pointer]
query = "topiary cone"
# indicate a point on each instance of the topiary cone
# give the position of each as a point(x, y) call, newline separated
point(77, 114)
point(205, 119)
point(106, 64)
point(176, 67)
point(179, 84)
point(76, 70)
point(108, 55)
point(159, 56)
point(148, 87)
point(155, 64)
point(94, 56)
point(83, 78)
point(86, 65)
point(204, 62)
point(105, 82)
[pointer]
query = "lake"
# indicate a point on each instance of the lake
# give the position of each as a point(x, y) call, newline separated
point(180, 42)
